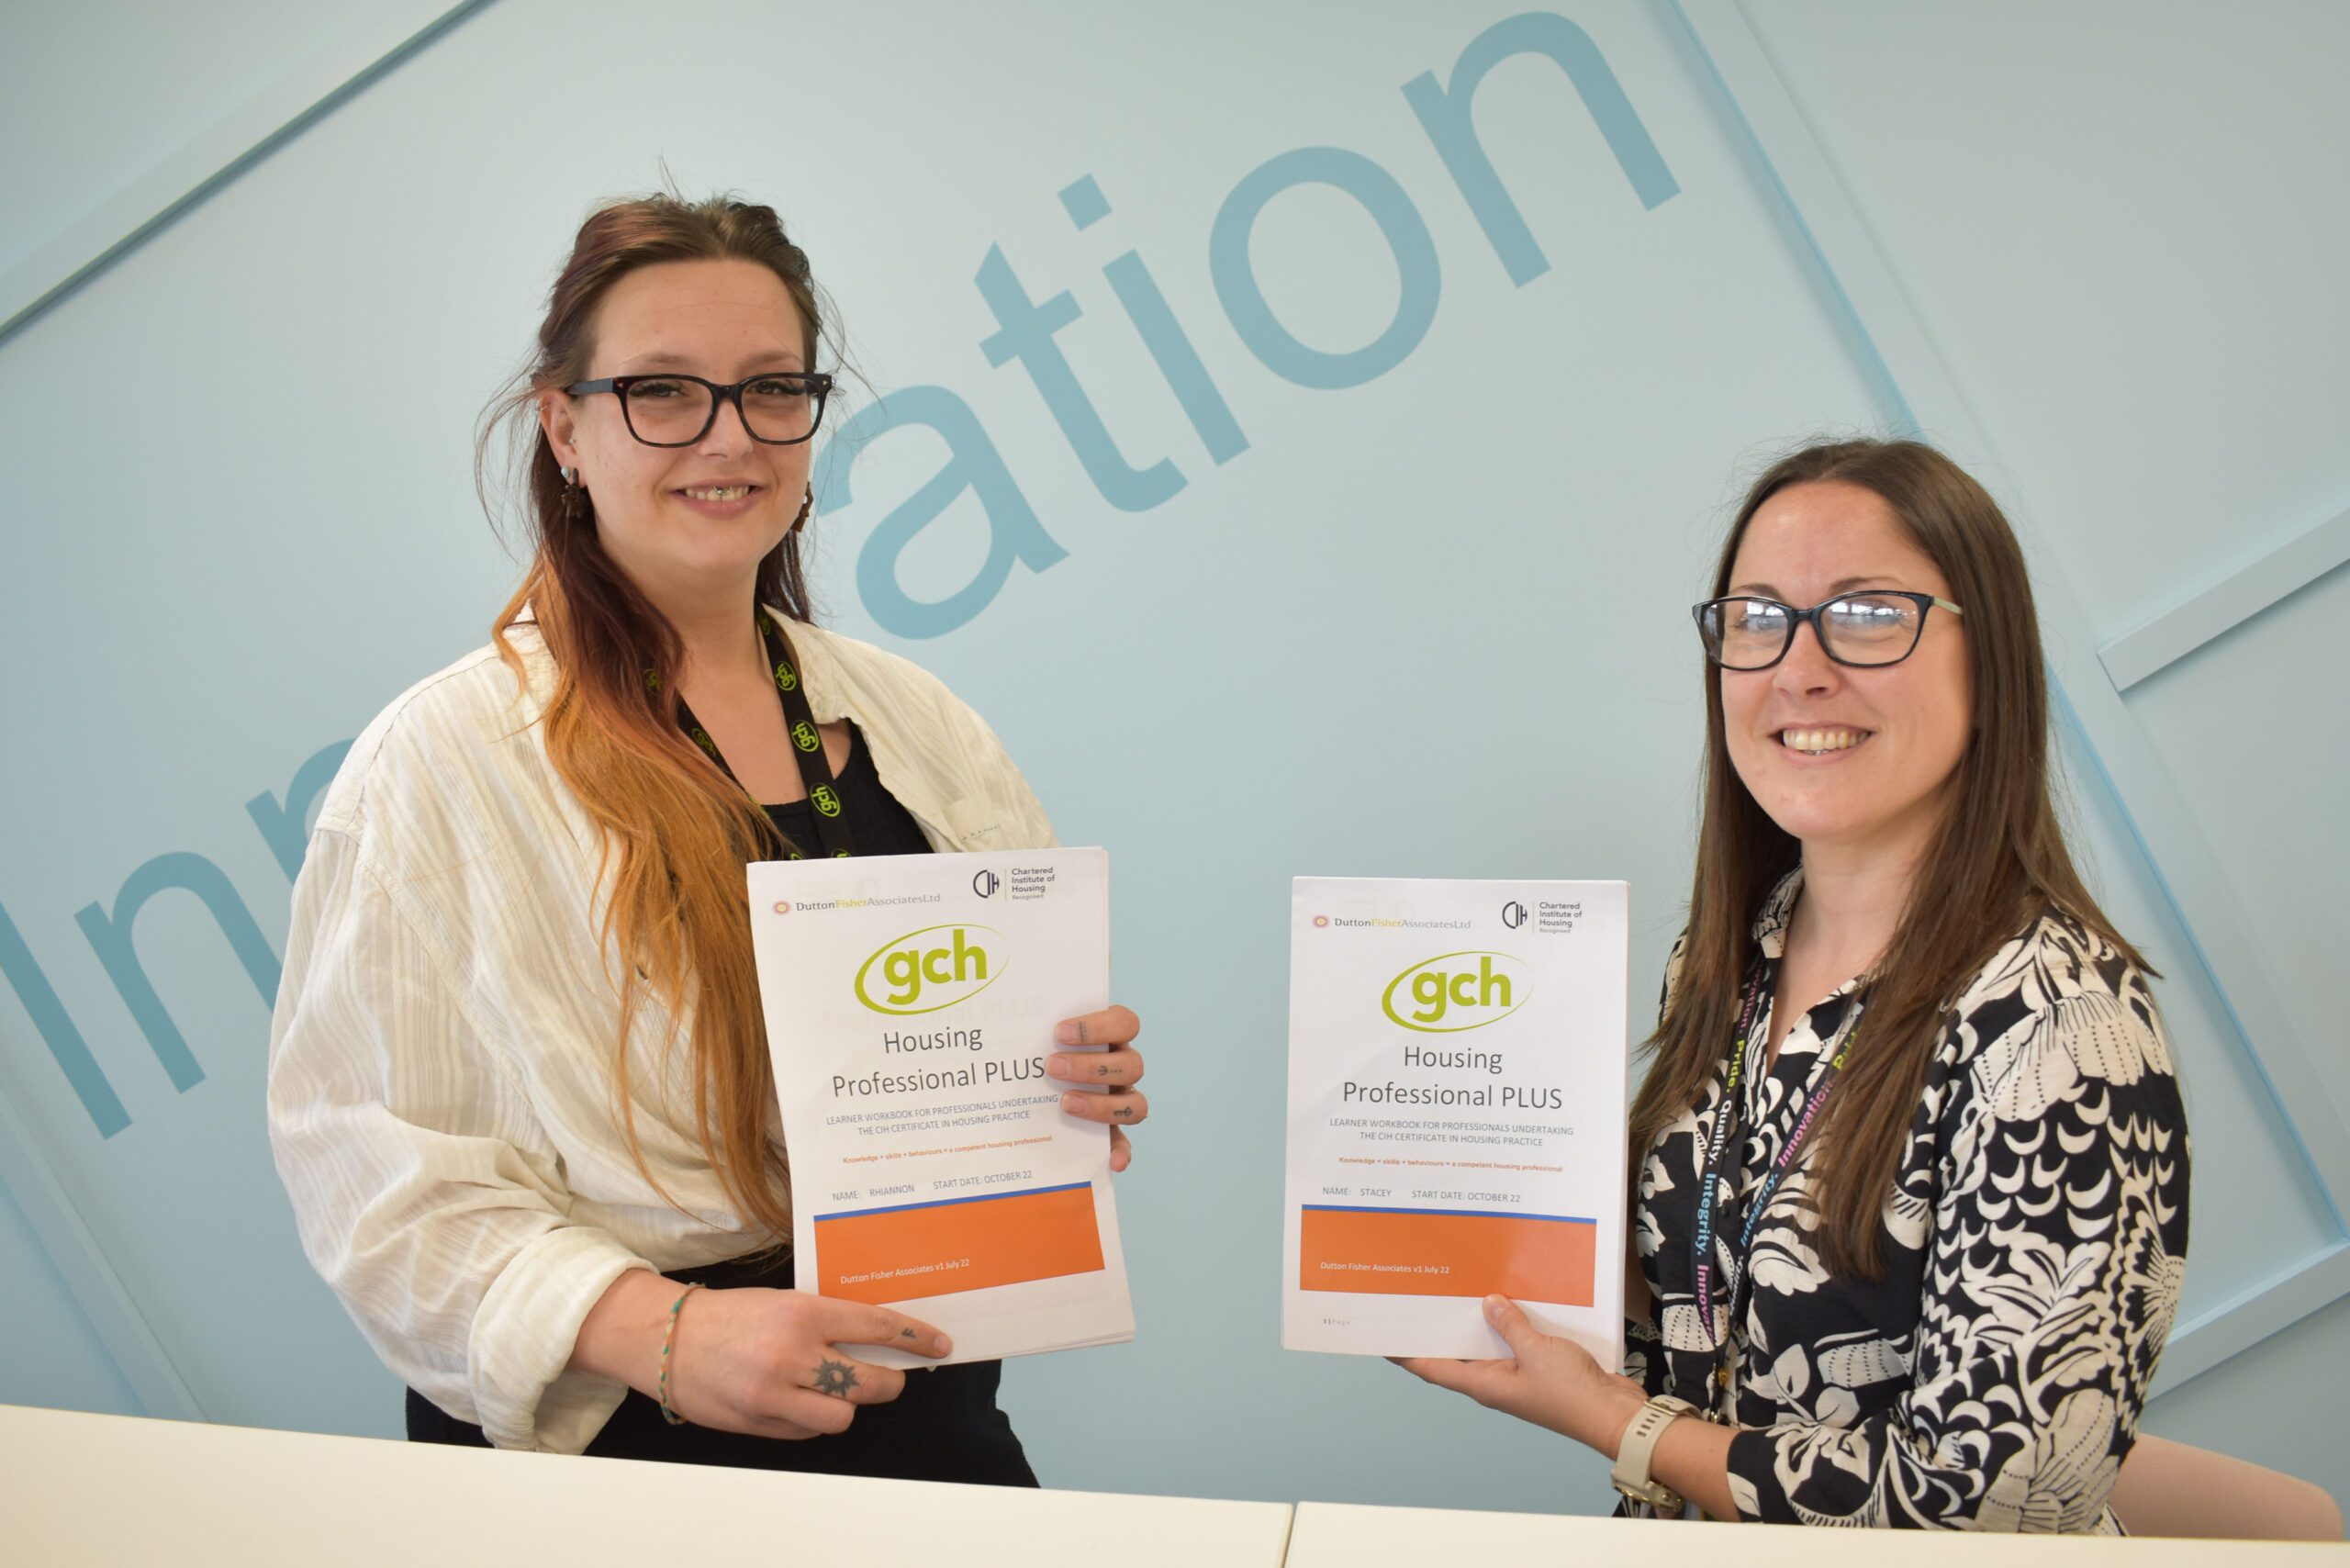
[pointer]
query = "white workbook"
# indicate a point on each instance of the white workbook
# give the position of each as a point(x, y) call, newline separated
point(1457, 1061)
point(910, 1005)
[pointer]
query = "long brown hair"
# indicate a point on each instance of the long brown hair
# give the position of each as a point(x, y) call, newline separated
point(675, 833)
point(1996, 862)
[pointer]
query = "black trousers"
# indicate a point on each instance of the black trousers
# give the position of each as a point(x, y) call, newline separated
point(945, 1427)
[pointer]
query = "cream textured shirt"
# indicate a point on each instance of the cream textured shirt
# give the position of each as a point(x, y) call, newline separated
point(440, 1099)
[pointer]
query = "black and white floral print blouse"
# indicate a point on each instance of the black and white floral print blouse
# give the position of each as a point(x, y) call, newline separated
point(2034, 1243)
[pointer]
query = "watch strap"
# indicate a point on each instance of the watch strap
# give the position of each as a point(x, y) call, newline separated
point(1633, 1456)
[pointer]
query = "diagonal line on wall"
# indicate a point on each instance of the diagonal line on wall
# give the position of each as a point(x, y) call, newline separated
point(2199, 1343)
point(303, 96)
point(291, 104)
point(1896, 348)
point(121, 1328)
point(2227, 604)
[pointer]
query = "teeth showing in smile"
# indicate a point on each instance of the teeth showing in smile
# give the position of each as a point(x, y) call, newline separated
point(1814, 742)
point(729, 493)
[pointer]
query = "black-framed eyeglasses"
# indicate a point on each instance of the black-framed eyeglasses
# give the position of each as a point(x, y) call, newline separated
point(1863, 630)
point(672, 408)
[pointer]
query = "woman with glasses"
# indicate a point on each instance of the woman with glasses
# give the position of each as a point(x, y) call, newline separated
point(519, 1090)
point(1911, 1197)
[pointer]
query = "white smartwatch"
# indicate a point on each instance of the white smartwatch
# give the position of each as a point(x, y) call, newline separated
point(1631, 1475)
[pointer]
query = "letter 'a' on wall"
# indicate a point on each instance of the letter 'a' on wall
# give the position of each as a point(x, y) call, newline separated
point(1014, 534)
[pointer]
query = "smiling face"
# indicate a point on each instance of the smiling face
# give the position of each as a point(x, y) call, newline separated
point(1850, 761)
point(689, 524)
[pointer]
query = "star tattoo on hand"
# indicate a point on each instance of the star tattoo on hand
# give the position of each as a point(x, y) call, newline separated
point(835, 1378)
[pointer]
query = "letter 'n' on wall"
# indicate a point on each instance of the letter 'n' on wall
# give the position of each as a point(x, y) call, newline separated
point(110, 937)
point(1445, 113)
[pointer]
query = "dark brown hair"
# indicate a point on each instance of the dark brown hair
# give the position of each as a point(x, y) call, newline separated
point(675, 832)
point(1997, 863)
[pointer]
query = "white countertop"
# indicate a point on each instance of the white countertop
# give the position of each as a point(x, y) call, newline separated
point(1328, 1535)
point(79, 1489)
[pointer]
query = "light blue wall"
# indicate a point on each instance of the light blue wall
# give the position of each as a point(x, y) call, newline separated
point(1430, 623)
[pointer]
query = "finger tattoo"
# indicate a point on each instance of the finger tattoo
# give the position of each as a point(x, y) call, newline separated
point(905, 1333)
point(835, 1378)
point(1102, 1071)
point(1124, 1111)
point(1080, 1034)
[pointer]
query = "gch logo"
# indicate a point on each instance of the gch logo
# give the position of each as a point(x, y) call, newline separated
point(924, 971)
point(1470, 990)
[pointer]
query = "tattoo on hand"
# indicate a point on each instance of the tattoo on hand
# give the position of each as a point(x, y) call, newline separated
point(1124, 1111)
point(1102, 1071)
point(1080, 1034)
point(835, 1378)
point(905, 1333)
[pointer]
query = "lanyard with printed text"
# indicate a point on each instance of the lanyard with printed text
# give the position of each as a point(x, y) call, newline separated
point(806, 743)
point(1724, 1139)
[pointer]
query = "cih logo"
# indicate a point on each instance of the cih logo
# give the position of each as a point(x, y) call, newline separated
point(985, 883)
point(925, 971)
point(1512, 914)
point(1453, 991)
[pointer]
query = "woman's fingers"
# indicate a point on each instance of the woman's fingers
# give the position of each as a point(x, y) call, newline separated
point(1516, 1330)
point(1111, 1026)
point(839, 1376)
point(807, 1414)
point(1114, 1068)
point(1481, 1381)
point(1107, 1064)
point(1119, 1107)
point(855, 1322)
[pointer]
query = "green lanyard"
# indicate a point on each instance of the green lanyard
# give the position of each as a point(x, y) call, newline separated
point(806, 743)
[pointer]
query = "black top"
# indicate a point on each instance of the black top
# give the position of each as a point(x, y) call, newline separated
point(883, 827)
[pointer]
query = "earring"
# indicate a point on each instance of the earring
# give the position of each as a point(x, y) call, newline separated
point(574, 494)
point(807, 504)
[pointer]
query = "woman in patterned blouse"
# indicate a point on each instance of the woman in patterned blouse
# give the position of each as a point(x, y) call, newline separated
point(1911, 1208)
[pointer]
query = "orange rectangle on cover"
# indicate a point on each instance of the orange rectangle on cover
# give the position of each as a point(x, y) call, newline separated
point(1447, 1252)
point(958, 1244)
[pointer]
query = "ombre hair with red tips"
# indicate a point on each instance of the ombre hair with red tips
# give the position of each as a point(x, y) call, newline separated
point(675, 832)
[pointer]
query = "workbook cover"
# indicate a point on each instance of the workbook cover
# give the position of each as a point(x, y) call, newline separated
point(910, 1005)
point(1457, 1054)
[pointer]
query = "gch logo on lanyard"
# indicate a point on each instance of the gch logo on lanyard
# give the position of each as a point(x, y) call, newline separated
point(807, 743)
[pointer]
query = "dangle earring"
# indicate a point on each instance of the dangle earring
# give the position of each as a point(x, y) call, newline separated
point(574, 494)
point(807, 504)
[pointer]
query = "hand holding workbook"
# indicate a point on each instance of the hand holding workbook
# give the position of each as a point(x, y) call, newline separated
point(911, 1004)
point(1457, 1064)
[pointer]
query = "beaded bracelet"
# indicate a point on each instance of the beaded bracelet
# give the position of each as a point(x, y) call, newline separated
point(669, 1339)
